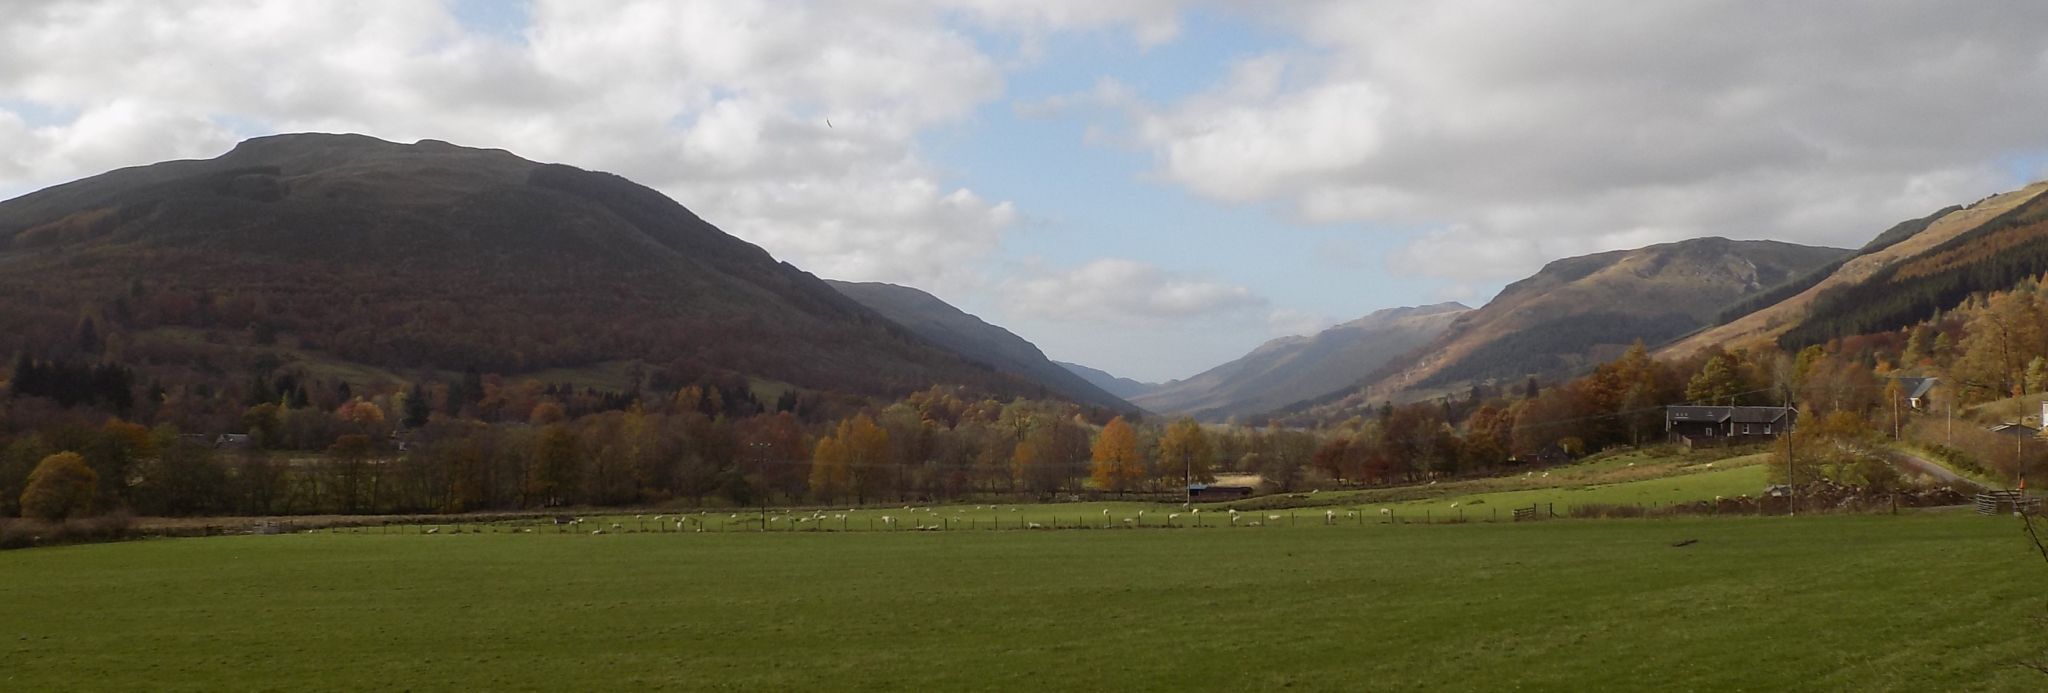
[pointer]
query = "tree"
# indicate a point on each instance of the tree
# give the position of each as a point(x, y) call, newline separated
point(553, 479)
point(416, 408)
point(1185, 449)
point(351, 457)
point(61, 486)
point(1116, 465)
point(1718, 382)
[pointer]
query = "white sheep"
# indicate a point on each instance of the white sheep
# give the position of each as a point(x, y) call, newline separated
point(1546, 475)
point(1172, 516)
point(597, 531)
point(1454, 505)
point(1386, 511)
point(434, 530)
point(1275, 518)
point(615, 525)
point(1035, 525)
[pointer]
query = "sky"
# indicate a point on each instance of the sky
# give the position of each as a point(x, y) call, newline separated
point(1151, 187)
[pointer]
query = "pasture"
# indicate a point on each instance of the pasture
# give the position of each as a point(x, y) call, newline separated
point(1920, 601)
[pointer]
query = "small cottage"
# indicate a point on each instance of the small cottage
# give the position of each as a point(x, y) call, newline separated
point(1698, 426)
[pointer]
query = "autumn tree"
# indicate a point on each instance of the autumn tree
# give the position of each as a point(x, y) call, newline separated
point(829, 476)
point(1115, 462)
point(553, 478)
point(1185, 452)
point(1718, 382)
point(61, 486)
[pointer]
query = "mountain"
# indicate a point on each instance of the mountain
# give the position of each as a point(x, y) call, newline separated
point(1903, 276)
point(1292, 369)
point(360, 258)
point(964, 334)
point(1582, 310)
point(1121, 387)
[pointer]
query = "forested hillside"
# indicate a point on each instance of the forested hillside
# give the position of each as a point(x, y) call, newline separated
point(341, 260)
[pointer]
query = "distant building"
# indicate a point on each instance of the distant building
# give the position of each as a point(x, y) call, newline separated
point(2016, 430)
point(1210, 492)
point(1916, 391)
point(1696, 426)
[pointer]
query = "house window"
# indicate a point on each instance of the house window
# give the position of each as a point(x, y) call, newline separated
point(1710, 433)
point(1745, 429)
point(1767, 429)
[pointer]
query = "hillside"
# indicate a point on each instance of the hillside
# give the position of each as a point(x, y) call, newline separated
point(430, 257)
point(1292, 369)
point(970, 336)
point(1121, 387)
point(1895, 281)
point(1582, 310)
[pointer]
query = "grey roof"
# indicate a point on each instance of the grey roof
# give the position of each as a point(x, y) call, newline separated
point(2015, 429)
point(1725, 414)
point(1916, 388)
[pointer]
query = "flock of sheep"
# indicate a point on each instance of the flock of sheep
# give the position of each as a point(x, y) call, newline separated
point(911, 518)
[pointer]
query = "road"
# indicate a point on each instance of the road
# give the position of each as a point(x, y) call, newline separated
point(1915, 464)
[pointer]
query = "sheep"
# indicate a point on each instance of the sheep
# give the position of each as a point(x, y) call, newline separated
point(434, 530)
point(657, 518)
point(1546, 475)
point(1274, 518)
point(1454, 505)
point(639, 517)
point(1129, 520)
point(1253, 523)
point(596, 531)
point(1710, 465)
point(1386, 511)
point(1034, 525)
point(1172, 516)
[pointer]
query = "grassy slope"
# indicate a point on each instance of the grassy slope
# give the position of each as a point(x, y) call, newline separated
point(1920, 602)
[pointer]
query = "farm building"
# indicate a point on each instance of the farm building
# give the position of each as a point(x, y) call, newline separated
point(1218, 492)
point(1696, 426)
point(1916, 391)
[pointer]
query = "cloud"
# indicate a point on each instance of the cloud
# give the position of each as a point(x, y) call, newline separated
point(722, 104)
point(1112, 291)
point(1521, 132)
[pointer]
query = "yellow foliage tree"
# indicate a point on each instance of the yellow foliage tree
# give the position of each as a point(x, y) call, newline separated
point(61, 486)
point(1185, 451)
point(1116, 464)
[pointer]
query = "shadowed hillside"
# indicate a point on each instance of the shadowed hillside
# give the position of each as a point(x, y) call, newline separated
point(1292, 369)
point(975, 339)
point(426, 256)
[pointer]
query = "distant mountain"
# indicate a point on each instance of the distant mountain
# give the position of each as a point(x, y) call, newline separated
point(1903, 276)
point(1582, 310)
point(1121, 387)
point(371, 258)
point(1292, 369)
point(979, 341)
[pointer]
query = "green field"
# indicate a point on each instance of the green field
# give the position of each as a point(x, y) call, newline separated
point(1626, 479)
point(1935, 601)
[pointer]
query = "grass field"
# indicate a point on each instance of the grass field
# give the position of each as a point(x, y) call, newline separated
point(1937, 601)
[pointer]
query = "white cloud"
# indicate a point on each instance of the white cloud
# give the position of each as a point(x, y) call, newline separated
point(1527, 131)
point(1113, 291)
